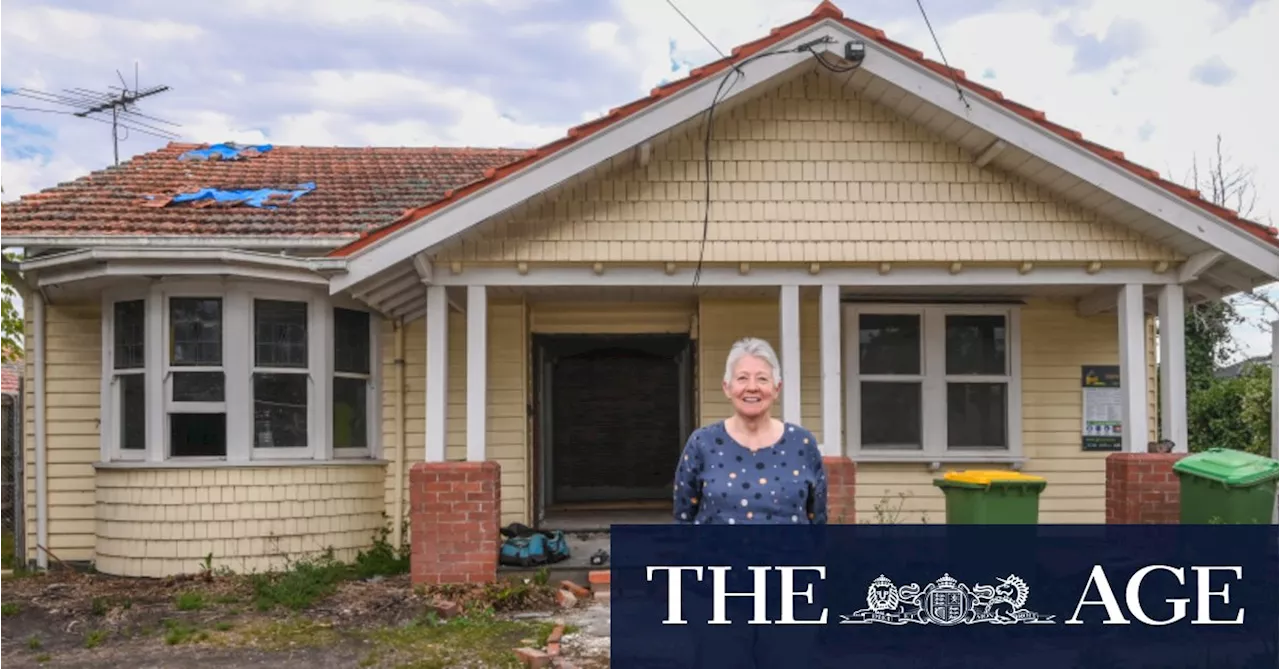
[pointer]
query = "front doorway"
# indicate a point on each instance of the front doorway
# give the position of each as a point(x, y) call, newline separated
point(611, 415)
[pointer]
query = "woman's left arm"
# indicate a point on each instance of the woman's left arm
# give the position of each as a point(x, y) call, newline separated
point(818, 495)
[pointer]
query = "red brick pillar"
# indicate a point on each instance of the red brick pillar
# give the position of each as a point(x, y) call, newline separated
point(842, 476)
point(1142, 488)
point(454, 518)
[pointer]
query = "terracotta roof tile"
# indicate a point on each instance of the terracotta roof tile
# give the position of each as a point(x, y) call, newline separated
point(357, 190)
point(825, 10)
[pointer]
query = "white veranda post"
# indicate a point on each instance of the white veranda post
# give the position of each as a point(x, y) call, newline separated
point(1133, 368)
point(437, 381)
point(829, 345)
point(1173, 367)
point(789, 326)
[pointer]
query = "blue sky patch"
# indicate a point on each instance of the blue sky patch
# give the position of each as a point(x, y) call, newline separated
point(1213, 71)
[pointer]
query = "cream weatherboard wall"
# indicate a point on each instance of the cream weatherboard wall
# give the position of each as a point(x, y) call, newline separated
point(1055, 343)
point(73, 367)
point(805, 172)
point(507, 414)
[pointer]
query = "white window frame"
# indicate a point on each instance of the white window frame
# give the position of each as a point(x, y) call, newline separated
point(934, 379)
point(317, 429)
point(238, 299)
point(230, 362)
point(373, 398)
point(112, 394)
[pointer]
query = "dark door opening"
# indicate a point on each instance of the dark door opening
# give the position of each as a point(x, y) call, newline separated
point(613, 413)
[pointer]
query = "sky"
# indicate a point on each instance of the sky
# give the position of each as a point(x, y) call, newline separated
point(1157, 83)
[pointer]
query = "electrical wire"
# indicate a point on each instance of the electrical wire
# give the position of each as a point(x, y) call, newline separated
point(955, 81)
point(695, 28)
point(736, 69)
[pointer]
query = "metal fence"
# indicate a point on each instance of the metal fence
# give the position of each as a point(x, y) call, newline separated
point(11, 462)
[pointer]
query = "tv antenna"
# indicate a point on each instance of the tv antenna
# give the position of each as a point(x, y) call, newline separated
point(120, 101)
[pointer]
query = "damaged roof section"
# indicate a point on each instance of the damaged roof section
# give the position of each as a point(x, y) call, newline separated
point(265, 198)
point(226, 151)
point(310, 194)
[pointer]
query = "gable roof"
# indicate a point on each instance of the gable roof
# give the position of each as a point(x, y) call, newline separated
point(355, 190)
point(825, 10)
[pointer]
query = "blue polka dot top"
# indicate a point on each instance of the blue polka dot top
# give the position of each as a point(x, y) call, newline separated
point(719, 481)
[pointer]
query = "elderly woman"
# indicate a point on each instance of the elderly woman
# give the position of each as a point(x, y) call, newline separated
point(751, 468)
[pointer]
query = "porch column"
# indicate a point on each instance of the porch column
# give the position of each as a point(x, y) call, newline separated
point(437, 379)
point(1173, 368)
point(1133, 369)
point(1275, 406)
point(789, 329)
point(829, 344)
point(477, 371)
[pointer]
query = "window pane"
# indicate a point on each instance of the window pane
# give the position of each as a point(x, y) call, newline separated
point(199, 387)
point(280, 333)
point(198, 434)
point(891, 415)
point(133, 411)
point(351, 341)
point(977, 415)
point(196, 330)
point(279, 410)
point(350, 413)
point(130, 334)
point(976, 344)
point(889, 344)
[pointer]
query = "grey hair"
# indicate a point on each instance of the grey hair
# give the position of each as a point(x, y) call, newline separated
point(755, 347)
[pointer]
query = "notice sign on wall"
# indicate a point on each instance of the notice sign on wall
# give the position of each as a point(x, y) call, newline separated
point(1103, 418)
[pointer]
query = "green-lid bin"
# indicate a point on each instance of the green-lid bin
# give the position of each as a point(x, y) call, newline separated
point(1226, 486)
point(991, 497)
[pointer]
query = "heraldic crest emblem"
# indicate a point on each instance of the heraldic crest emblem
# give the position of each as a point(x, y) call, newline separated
point(947, 602)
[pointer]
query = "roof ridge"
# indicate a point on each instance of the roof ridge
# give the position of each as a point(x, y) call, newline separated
point(825, 10)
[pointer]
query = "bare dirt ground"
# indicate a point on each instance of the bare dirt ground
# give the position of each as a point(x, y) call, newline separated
point(314, 620)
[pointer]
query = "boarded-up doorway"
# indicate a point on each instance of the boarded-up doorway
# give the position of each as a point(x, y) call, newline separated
point(613, 412)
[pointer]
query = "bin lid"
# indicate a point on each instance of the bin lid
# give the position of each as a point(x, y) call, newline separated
point(1229, 466)
point(989, 476)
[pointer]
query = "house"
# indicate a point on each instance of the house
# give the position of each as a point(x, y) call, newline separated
point(530, 335)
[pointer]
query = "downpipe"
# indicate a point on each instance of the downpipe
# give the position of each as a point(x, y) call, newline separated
point(397, 531)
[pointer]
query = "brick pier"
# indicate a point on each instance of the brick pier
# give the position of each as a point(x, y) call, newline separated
point(454, 518)
point(1142, 488)
point(842, 475)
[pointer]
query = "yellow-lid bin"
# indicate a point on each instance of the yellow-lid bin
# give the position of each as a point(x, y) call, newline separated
point(991, 497)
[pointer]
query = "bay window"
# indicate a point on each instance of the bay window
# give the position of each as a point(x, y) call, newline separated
point(236, 372)
point(933, 381)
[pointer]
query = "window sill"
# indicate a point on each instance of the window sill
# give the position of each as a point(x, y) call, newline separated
point(223, 464)
point(937, 460)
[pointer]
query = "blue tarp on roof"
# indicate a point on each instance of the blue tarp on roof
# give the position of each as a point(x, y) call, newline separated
point(225, 151)
point(251, 197)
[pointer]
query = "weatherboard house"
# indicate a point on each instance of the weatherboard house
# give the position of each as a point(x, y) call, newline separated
point(463, 338)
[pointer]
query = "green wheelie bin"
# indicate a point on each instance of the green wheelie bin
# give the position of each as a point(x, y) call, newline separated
point(1226, 486)
point(991, 497)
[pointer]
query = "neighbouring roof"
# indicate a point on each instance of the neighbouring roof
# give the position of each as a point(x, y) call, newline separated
point(355, 190)
point(10, 376)
point(825, 10)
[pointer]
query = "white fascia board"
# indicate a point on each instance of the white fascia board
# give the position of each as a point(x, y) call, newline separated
point(181, 257)
point(583, 155)
point(776, 276)
point(1071, 157)
point(176, 241)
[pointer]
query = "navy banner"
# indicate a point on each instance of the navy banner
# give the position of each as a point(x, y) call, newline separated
point(899, 596)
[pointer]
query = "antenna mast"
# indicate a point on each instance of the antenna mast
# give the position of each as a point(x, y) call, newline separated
point(116, 104)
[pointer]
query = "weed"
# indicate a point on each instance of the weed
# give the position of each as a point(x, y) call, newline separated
point(283, 634)
point(178, 632)
point(100, 606)
point(43, 657)
point(299, 586)
point(95, 638)
point(34, 643)
point(223, 625)
point(10, 609)
point(382, 559)
point(480, 637)
point(190, 601)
